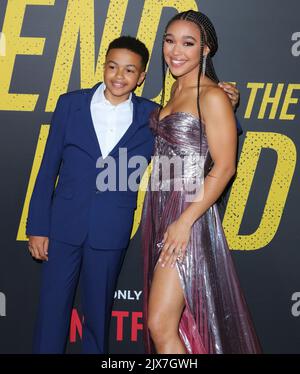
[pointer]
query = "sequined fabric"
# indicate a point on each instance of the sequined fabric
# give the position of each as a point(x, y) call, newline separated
point(216, 318)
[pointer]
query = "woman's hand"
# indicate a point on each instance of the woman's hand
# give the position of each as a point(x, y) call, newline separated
point(232, 92)
point(175, 241)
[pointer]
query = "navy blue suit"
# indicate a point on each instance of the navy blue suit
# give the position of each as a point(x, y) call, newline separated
point(76, 207)
point(88, 230)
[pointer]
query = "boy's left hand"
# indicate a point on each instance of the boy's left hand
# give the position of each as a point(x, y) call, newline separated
point(232, 92)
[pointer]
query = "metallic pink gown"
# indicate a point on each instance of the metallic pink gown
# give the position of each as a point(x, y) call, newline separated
point(216, 318)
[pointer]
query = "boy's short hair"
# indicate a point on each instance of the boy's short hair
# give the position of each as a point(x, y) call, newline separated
point(133, 45)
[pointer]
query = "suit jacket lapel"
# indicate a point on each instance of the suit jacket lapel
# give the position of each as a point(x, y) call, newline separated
point(131, 129)
point(86, 135)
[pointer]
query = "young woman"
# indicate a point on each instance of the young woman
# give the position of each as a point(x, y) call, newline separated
point(192, 298)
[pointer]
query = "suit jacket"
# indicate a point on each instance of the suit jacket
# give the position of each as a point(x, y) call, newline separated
point(76, 207)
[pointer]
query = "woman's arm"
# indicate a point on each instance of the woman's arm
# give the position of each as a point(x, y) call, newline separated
point(222, 143)
point(221, 134)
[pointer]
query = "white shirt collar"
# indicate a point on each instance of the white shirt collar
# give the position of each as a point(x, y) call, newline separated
point(99, 98)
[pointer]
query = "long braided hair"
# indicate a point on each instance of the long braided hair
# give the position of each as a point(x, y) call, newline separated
point(208, 37)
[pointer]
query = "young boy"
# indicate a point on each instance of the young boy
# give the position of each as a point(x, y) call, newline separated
point(78, 229)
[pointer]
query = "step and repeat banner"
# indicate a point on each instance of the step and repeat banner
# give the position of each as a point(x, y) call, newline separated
point(49, 47)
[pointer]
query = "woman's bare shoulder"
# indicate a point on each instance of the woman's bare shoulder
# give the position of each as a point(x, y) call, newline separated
point(214, 96)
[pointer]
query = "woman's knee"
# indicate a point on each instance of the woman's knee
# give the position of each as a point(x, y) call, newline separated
point(160, 326)
point(153, 323)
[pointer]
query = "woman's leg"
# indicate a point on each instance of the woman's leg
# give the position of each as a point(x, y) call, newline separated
point(166, 304)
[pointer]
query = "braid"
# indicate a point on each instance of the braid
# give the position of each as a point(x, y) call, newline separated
point(163, 93)
point(200, 72)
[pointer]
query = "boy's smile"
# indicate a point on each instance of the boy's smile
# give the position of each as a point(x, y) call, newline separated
point(123, 71)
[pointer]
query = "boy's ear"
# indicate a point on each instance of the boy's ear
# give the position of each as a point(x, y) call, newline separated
point(141, 78)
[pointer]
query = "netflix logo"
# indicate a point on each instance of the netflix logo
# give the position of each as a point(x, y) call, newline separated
point(127, 324)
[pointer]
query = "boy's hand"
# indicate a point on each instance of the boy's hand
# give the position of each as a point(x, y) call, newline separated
point(38, 247)
point(232, 92)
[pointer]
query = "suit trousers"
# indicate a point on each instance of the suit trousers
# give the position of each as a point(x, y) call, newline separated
point(98, 271)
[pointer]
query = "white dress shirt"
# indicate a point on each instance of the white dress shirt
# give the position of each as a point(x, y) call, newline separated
point(110, 121)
